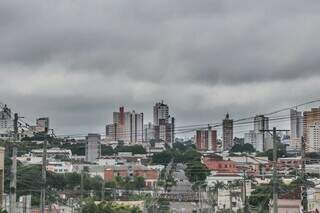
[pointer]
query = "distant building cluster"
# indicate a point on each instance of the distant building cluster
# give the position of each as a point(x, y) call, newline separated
point(7, 125)
point(129, 127)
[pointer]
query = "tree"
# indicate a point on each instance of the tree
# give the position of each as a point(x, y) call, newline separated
point(162, 158)
point(139, 182)
point(135, 149)
point(260, 197)
point(108, 207)
point(248, 148)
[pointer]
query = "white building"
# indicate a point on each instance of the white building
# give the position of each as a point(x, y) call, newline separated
point(53, 153)
point(93, 147)
point(255, 139)
point(228, 197)
point(6, 123)
point(258, 138)
point(59, 167)
point(313, 136)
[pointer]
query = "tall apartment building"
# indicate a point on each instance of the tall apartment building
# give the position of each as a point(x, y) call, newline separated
point(255, 139)
point(126, 126)
point(310, 118)
point(163, 123)
point(206, 140)
point(261, 123)
point(313, 134)
point(93, 147)
point(227, 131)
point(260, 140)
point(6, 123)
point(160, 112)
point(296, 127)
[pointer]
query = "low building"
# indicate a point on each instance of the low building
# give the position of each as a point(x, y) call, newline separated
point(150, 175)
point(286, 206)
point(52, 153)
point(289, 163)
point(217, 164)
point(314, 199)
point(59, 167)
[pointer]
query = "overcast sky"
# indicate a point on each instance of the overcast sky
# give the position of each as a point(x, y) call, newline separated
point(78, 61)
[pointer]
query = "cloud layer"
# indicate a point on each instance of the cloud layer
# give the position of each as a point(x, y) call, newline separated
point(77, 61)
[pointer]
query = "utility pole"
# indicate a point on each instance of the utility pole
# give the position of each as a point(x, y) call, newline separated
point(274, 176)
point(102, 191)
point(13, 181)
point(81, 190)
point(275, 164)
point(303, 175)
point(245, 205)
point(44, 177)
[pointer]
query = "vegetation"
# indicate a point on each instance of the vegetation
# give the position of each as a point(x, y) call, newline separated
point(248, 148)
point(137, 183)
point(135, 149)
point(269, 153)
point(181, 153)
point(108, 207)
point(262, 194)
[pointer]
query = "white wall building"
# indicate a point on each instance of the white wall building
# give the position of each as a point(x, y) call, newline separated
point(59, 167)
point(93, 147)
point(6, 123)
point(314, 136)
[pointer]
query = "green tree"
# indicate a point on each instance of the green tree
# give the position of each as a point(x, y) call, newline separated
point(108, 207)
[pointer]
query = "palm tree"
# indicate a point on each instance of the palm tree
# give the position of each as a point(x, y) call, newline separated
point(214, 198)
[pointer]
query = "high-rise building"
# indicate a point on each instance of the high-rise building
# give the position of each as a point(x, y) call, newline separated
point(255, 139)
point(296, 127)
point(149, 132)
point(259, 138)
point(261, 123)
point(93, 147)
point(160, 112)
point(227, 129)
point(127, 126)
point(206, 140)
point(310, 118)
point(313, 134)
point(163, 125)
point(42, 125)
point(6, 122)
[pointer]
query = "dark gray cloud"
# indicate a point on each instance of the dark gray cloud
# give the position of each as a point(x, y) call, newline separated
point(79, 60)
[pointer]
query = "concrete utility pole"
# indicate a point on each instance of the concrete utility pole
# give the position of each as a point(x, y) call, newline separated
point(44, 177)
point(102, 191)
point(274, 176)
point(303, 175)
point(275, 163)
point(13, 181)
point(81, 190)
point(245, 203)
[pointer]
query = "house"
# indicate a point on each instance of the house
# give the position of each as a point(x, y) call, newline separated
point(217, 164)
point(286, 206)
point(130, 171)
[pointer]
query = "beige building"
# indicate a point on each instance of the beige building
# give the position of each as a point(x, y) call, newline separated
point(286, 206)
point(310, 118)
point(1, 173)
